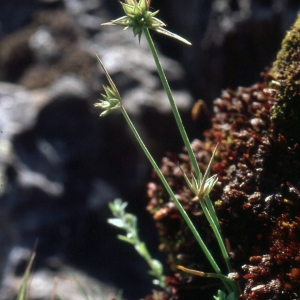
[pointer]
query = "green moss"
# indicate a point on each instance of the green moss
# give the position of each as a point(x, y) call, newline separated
point(286, 72)
point(289, 44)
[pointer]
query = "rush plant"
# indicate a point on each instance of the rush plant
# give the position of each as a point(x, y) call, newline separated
point(141, 19)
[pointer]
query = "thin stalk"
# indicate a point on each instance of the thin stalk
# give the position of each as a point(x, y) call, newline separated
point(166, 86)
point(212, 211)
point(217, 234)
point(169, 190)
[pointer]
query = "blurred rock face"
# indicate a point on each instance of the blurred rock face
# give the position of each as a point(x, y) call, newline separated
point(60, 163)
point(228, 38)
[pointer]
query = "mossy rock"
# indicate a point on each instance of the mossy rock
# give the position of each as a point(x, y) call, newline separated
point(286, 73)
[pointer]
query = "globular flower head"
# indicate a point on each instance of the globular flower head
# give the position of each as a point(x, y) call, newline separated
point(139, 17)
point(111, 99)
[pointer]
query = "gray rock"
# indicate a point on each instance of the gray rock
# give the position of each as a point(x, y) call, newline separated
point(43, 45)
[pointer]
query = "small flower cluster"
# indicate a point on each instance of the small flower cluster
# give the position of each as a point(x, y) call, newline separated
point(112, 98)
point(202, 186)
point(139, 17)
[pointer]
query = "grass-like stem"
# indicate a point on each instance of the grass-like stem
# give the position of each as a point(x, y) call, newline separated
point(211, 216)
point(166, 86)
point(217, 234)
point(212, 211)
point(176, 201)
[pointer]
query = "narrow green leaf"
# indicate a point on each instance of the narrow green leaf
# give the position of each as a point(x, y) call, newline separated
point(22, 294)
point(186, 179)
point(207, 173)
point(108, 77)
point(154, 13)
point(173, 35)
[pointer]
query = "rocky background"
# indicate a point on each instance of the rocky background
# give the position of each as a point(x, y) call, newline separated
point(60, 164)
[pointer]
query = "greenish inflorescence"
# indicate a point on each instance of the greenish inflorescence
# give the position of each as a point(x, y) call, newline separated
point(139, 18)
point(286, 72)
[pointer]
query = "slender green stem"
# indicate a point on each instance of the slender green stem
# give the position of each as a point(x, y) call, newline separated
point(210, 214)
point(190, 152)
point(217, 234)
point(212, 211)
point(172, 102)
point(169, 190)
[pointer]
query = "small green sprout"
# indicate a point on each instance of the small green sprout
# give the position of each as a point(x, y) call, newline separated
point(112, 98)
point(23, 291)
point(128, 222)
point(138, 17)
